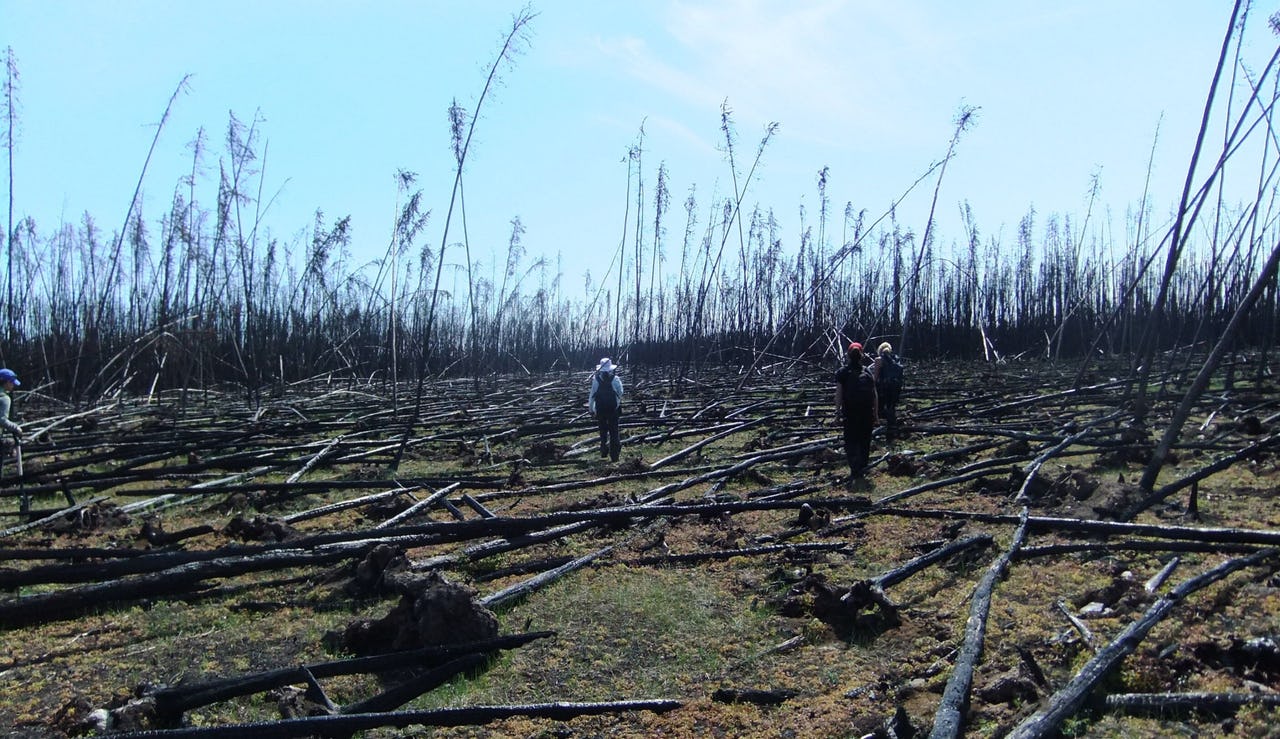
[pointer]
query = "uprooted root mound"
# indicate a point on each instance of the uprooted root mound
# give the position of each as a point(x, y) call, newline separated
point(859, 609)
point(91, 518)
point(432, 610)
point(259, 528)
point(1073, 493)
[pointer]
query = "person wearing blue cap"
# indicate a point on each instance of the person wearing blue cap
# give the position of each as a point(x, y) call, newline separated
point(8, 381)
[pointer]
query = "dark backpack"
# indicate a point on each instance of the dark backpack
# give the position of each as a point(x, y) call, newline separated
point(606, 398)
point(890, 371)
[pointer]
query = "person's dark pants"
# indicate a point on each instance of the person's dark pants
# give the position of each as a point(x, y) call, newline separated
point(610, 441)
point(857, 443)
point(889, 408)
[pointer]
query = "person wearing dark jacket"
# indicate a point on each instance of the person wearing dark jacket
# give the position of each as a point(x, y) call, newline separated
point(888, 370)
point(605, 403)
point(857, 408)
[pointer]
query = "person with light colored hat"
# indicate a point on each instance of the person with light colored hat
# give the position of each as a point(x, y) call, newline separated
point(605, 403)
point(888, 371)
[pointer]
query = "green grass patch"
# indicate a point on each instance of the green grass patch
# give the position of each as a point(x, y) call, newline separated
point(621, 633)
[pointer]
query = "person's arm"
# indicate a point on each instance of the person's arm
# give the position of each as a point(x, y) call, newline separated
point(617, 388)
point(591, 396)
point(839, 397)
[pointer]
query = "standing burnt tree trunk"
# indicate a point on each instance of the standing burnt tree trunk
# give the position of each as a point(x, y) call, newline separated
point(962, 122)
point(10, 100)
point(1179, 233)
point(510, 46)
point(1242, 311)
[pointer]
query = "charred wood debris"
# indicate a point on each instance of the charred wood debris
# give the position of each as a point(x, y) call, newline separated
point(1028, 472)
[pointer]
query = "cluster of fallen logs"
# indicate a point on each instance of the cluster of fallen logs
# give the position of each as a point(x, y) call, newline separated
point(431, 667)
point(430, 603)
point(1011, 462)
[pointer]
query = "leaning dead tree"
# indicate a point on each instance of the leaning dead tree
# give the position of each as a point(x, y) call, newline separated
point(1174, 430)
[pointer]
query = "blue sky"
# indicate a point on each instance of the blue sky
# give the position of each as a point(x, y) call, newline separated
point(351, 92)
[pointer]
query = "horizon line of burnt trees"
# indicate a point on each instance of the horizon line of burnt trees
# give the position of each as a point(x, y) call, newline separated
point(207, 302)
point(205, 295)
point(212, 309)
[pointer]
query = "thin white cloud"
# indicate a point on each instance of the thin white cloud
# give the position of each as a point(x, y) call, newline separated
point(822, 68)
point(678, 130)
point(640, 62)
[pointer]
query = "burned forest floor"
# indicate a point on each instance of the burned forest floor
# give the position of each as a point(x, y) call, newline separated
point(308, 563)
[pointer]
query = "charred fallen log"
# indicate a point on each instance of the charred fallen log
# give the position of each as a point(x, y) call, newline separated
point(398, 695)
point(1132, 545)
point(1044, 524)
point(71, 602)
point(343, 725)
point(521, 589)
point(724, 554)
point(1165, 704)
point(758, 696)
point(524, 568)
point(155, 535)
point(364, 500)
point(175, 700)
point(327, 548)
point(948, 720)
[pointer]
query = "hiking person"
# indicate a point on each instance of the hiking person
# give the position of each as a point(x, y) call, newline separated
point(605, 403)
point(857, 408)
point(888, 386)
point(8, 382)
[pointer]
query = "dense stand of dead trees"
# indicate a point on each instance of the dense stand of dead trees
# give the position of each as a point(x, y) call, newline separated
point(204, 294)
point(198, 329)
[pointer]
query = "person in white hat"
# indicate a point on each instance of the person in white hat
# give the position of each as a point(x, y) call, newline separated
point(888, 371)
point(605, 403)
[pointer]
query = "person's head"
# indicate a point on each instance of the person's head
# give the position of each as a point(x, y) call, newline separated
point(9, 379)
point(606, 365)
point(854, 354)
point(885, 348)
